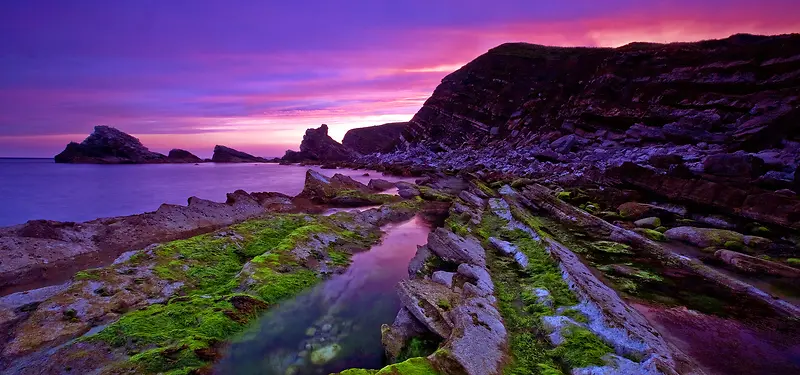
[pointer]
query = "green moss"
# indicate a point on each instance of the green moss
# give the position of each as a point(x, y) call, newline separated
point(374, 198)
point(457, 225)
point(339, 258)
point(575, 315)
point(430, 194)
point(564, 195)
point(485, 189)
point(652, 234)
point(735, 246)
point(661, 229)
point(761, 231)
point(611, 247)
point(581, 348)
point(92, 274)
point(274, 286)
point(411, 366)
point(444, 304)
point(793, 261)
point(418, 347)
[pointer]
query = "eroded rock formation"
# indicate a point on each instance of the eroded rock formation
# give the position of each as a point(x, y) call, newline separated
point(318, 146)
point(107, 145)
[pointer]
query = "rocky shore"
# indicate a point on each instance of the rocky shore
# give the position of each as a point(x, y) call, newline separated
point(596, 211)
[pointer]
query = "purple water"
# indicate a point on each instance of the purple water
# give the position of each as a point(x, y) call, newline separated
point(41, 189)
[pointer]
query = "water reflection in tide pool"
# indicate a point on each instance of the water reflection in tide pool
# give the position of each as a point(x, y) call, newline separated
point(336, 325)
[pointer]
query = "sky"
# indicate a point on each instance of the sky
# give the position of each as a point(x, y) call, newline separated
point(254, 74)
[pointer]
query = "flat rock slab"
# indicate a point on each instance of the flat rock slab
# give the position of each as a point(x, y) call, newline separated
point(456, 249)
point(426, 301)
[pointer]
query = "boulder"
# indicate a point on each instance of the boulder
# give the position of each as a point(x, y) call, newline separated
point(456, 249)
point(404, 327)
point(374, 139)
point(223, 154)
point(750, 264)
point(107, 145)
point(322, 189)
point(182, 156)
point(427, 301)
point(734, 165)
point(407, 190)
point(648, 222)
point(378, 184)
point(704, 237)
point(478, 343)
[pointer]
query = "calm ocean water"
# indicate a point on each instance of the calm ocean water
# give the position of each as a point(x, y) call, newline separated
point(41, 189)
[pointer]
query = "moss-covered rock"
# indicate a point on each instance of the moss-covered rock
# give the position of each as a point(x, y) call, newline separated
point(611, 247)
point(703, 237)
point(651, 234)
point(412, 366)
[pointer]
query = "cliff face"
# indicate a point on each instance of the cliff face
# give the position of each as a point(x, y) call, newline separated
point(372, 139)
point(741, 91)
point(107, 145)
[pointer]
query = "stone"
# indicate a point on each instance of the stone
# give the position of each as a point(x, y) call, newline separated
point(325, 354)
point(750, 264)
point(407, 190)
point(648, 222)
point(107, 145)
point(377, 184)
point(479, 276)
point(564, 144)
point(543, 297)
point(472, 199)
point(555, 326)
point(374, 139)
point(424, 299)
point(182, 156)
point(224, 154)
point(510, 249)
point(417, 263)
point(404, 327)
point(704, 237)
point(734, 165)
point(456, 249)
point(322, 189)
point(479, 341)
point(443, 277)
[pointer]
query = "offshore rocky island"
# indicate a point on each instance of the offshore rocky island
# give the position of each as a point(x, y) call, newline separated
point(592, 211)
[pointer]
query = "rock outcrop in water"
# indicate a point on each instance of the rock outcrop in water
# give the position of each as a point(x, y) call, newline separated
point(182, 156)
point(107, 145)
point(318, 146)
point(374, 139)
point(223, 154)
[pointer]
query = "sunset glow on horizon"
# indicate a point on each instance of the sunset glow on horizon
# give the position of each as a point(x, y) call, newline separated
point(254, 76)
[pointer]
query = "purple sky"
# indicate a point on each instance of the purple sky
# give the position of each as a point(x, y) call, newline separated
point(254, 75)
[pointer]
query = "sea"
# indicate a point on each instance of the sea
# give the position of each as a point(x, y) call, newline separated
point(42, 189)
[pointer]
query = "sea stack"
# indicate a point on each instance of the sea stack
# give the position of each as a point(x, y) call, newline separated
point(107, 145)
point(223, 154)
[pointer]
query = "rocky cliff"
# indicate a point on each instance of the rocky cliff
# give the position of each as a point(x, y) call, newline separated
point(318, 146)
point(740, 92)
point(372, 139)
point(107, 145)
point(224, 154)
point(714, 124)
